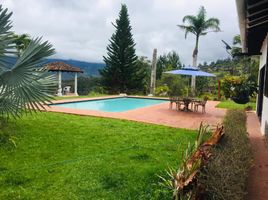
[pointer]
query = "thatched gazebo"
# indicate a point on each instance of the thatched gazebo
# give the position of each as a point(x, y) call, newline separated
point(60, 67)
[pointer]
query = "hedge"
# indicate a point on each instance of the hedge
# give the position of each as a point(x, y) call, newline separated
point(225, 175)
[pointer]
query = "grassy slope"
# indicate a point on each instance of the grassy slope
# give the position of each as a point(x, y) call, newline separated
point(62, 156)
point(232, 105)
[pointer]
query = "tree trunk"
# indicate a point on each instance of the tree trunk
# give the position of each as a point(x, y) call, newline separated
point(195, 52)
point(153, 73)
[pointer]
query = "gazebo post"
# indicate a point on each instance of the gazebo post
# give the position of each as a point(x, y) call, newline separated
point(75, 84)
point(59, 88)
point(60, 67)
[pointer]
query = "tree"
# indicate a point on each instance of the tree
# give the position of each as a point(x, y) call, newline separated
point(121, 73)
point(22, 42)
point(167, 62)
point(199, 26)
point(144, 66)
point(23, 86)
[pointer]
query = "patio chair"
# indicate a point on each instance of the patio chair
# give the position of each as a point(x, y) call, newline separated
point(172, 100)
point(176, 101)
point(202, 104)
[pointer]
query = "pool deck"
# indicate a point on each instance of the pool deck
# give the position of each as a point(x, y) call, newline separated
point(156, 114)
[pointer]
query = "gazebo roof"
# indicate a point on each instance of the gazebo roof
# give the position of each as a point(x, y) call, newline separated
point(61, 66)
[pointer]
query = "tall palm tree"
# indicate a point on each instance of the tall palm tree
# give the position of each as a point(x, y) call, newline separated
point(22, 41)
point(199, 25)
point(23, 86)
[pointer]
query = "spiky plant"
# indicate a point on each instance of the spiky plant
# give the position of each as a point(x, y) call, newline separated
point(23, 86)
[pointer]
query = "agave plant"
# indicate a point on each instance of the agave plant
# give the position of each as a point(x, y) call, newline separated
point(23, 86)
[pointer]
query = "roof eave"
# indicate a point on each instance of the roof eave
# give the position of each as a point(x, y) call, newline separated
point(241, 11)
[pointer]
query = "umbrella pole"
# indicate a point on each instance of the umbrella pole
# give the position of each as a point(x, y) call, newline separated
point(193, 84)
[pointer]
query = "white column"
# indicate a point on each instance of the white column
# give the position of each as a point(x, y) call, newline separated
point(75, 84)
point(59, 88)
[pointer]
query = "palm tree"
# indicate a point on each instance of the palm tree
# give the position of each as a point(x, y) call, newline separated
point(21, 41)
point(199, 25)
point(23, 86)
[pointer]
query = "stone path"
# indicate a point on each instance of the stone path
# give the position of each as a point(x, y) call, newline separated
point(258, 178)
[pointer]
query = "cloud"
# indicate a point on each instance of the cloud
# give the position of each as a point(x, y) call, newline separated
point(81, 29)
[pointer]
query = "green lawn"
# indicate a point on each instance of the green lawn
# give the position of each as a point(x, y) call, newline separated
point(59, 156)
point(232, 105)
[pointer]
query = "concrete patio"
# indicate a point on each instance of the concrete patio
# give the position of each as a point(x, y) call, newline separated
point(157, 114)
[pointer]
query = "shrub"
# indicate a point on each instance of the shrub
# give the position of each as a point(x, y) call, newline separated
point(239, 88)
point(162, 90)
point(224, 177)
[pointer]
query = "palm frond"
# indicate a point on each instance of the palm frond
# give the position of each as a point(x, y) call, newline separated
point(201, 13)
point(212, 24)
point(187, 29)
point(190, 19)
point(23, 86)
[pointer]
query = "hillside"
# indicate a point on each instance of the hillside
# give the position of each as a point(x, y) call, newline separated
point(89, 68)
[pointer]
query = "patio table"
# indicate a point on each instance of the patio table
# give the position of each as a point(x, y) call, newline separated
point(186, 102)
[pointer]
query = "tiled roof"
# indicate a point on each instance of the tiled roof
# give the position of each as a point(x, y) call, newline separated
point(61, 66)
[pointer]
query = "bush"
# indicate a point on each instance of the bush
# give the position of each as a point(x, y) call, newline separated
point(225, 175)
point(239, 88)
point(162, 90)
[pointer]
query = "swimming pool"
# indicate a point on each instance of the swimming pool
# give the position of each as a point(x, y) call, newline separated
point(120, 104)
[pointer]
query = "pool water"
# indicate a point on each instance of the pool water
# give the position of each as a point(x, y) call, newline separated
point(112, 105)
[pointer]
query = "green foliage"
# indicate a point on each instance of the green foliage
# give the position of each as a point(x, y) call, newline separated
point(22, 86)
point(144, 66)
point(238, 88)
point(162, 90)
point(167, 62)
point(85, 84)
point(60, 156)
point(121, 73)
point(177, 85)
point(22, 42)
point(225, 175)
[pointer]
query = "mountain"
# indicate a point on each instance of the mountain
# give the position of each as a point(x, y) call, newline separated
point(89, 68)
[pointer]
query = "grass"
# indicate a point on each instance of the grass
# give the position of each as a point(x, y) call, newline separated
point(228, 104)
point(59, 156)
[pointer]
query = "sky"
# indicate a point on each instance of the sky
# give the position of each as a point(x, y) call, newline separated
point(81, 29)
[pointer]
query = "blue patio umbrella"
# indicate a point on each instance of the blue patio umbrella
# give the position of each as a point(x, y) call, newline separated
point(190, 71)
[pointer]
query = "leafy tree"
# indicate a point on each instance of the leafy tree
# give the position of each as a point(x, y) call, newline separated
point(23, 86)
point(22, 42)
point(144, 66)
point(167, 62)
point(121, 73)
point(199, 26)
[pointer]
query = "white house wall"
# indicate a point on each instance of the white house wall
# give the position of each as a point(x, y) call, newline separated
point(263, 60)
